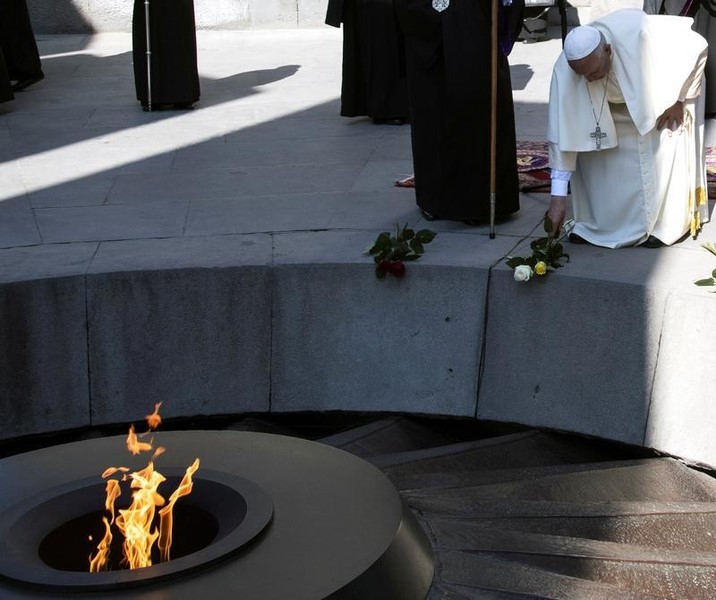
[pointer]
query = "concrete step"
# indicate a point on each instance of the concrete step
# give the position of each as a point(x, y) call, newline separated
point(656, 480)
point(425, 481)
point(524, 449)
point(541, 515)
point(480, 573)
point(387, 436)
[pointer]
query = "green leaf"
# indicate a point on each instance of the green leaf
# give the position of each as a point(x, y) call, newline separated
point(540, 244)
point(515, 261)
point(548, 225)
point(416, 246)
point(710, 247)
point(705, 282)
point(411, 257)
point(408, 234)
point(381, 243)
point(425, 236)
point(713, 273)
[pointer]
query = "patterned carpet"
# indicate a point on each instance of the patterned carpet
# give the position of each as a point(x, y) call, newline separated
point(532, 161)
point(533, 169)
point(533, 158)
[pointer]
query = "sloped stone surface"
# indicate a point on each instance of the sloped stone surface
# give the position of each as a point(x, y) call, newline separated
point(538, 515)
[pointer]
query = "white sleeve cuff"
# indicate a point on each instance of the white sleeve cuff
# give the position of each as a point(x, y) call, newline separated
point(560, 182)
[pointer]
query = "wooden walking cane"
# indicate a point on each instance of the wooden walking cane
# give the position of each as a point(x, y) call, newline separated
point(493, 119)
point(149, 56)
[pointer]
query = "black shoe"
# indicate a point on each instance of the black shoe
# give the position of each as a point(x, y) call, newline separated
point(428, 216)
point(22, 84)
point(397, 121)
point(576, 239)
point(161, 106)
point(652, 242)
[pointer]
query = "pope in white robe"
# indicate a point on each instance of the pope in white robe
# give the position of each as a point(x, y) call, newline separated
point(625, 130)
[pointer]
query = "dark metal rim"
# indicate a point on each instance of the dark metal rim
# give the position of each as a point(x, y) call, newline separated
point(34, 519)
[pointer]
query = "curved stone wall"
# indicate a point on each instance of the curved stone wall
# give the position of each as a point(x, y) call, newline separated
point(293, 322)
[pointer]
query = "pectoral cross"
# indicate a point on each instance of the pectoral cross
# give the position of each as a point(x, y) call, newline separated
point(598, 135)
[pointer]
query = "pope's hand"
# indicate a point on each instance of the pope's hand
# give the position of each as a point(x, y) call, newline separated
point(557, 212)
point(673, 117)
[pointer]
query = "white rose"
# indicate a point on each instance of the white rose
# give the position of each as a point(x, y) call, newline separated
point(523, 273)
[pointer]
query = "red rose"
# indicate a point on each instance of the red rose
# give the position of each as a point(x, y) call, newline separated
point(397, 268)
point(383, 267)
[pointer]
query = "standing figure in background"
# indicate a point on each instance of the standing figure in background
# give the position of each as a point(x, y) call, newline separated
point(172, 41)
point(374, 82)
point(703, 13)
point(5, 85)
point(18, 45)
point(448, 58)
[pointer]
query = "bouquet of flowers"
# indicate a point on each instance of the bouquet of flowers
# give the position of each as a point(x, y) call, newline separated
point(390, 252)
point(547, 252)
point(708, 281)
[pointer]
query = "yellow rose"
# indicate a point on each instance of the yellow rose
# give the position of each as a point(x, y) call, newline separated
point(541, 268)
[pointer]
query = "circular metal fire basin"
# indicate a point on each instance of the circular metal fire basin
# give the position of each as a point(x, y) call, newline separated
point(340, 530)
point(234, 512)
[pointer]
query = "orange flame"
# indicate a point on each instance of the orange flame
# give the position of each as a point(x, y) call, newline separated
point(166, 514)
point(101, 559)
point(133, 443)
point(136, 523)
point(154, 420)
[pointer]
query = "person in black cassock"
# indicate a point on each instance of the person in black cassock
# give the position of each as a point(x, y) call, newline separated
point(5, 86)
point(18, 46)
point(703, 12)
point(174, 75)
point(448, 65)
point(374, 82)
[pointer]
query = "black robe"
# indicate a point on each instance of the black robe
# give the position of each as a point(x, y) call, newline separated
point(17, 41)
point(374, 82)
point(175, 79)
point(448, 65)
point(5, 87)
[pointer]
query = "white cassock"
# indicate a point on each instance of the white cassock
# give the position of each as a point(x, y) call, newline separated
point(631, 180)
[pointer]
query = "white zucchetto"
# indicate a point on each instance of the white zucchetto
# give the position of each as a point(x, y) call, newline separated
point(581, 42)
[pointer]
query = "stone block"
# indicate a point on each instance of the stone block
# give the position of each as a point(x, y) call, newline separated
point(311, 13)
point(43, 347)
point(273, 13)
point(575, 352)
point(43, 356)
point(17, 223)
point(345, 340)
point(185, 321)
point(80, 224)
point(682, 408)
